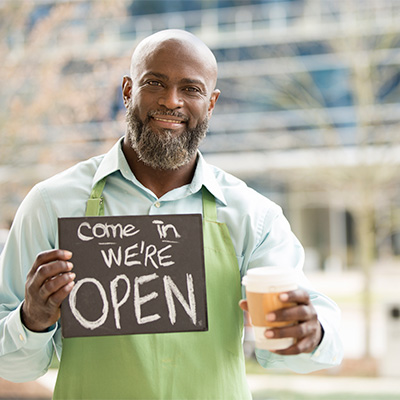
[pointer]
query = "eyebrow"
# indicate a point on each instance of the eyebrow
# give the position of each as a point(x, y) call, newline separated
point(184, 80)
point(194, 82)
point(157, 75)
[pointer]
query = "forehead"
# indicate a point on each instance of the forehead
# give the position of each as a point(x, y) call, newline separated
point(175, 59)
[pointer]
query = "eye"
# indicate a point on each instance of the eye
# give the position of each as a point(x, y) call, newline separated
point(153, 83)
point(192, 89)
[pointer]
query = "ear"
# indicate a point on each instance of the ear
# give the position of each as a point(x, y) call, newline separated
point(126, 89)
point(213, 100)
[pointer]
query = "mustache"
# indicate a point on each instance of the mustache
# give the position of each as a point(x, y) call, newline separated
point(171, 113)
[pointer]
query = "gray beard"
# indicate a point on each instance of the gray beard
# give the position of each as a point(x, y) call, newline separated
point(163, 151)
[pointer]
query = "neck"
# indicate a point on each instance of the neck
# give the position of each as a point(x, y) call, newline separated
point(158, 181)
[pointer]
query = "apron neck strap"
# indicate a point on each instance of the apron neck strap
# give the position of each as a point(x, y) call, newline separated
point(209, 205)
point(95, 204)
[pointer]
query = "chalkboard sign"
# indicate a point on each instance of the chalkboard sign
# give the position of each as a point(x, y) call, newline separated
point(134, 274)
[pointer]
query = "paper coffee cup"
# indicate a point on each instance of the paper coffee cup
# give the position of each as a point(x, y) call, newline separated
point(263, 286)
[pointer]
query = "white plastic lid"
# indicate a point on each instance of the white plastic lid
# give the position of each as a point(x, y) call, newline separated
point(270, 279)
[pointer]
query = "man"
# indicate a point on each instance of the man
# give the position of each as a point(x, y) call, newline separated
point(157, 169)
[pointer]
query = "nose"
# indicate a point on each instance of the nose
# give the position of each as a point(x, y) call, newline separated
point(171, 99)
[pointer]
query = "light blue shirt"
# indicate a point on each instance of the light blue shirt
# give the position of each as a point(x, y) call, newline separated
point(260, 233)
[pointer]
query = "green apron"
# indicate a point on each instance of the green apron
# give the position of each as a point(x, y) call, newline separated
point(189, 365)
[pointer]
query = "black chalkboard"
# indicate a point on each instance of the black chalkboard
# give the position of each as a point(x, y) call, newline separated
point(134, 274)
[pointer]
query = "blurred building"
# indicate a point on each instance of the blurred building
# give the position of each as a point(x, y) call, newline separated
point(309, 111)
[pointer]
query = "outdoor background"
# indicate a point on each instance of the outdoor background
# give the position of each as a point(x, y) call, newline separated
point(309, 115)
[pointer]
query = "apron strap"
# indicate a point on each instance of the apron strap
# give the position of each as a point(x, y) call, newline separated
point(209, 205)
point(95, 204)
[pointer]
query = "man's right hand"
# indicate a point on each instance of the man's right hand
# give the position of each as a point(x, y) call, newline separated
point(48, 283)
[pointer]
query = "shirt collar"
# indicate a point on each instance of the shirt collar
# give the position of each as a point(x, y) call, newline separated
point(204, 176)
point(115, 160)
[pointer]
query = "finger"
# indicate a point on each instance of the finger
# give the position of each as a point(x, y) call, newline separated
point(307, 336)
point(297, 331)
point(304, 345)
point(299, 296)
point(51, 286)
point(49, 256)
point(50, 271)
point(60, 295)
point(294, 314)
point(243, 305)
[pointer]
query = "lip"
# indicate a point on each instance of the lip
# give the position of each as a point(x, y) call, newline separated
point(168, 122)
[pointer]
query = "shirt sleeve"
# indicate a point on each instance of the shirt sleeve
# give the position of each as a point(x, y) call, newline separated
point(279, 246)
point(24, 355)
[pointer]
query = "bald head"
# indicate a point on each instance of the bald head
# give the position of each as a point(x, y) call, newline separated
point(181, 44)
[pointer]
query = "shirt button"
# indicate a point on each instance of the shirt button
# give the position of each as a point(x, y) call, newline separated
point(21, 338)
point(157, 204)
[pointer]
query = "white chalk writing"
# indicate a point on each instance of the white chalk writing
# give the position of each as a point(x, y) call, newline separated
point(114, 299)
point(139, 301)
point(148, 254)
point(170, 290)
point(72, 303)
point(105, 230)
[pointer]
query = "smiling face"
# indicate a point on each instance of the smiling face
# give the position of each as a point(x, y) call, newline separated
point(169, 98)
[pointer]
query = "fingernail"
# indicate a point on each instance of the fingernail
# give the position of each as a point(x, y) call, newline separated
point(67, 254)
point(284, 297)
point(269, 333)
point(72, 275)
point(270, 317)
point(70, 265)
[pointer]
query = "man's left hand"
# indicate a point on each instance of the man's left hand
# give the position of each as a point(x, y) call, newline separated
point(307, 330)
